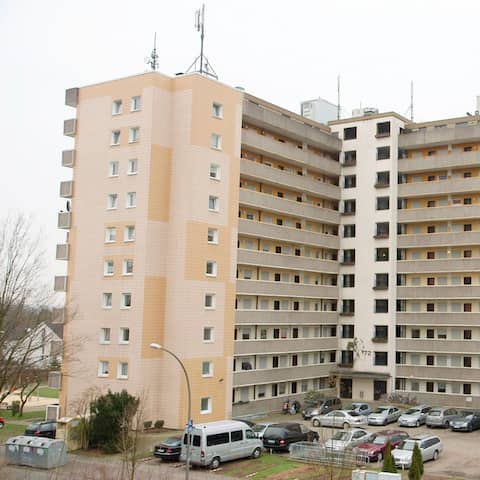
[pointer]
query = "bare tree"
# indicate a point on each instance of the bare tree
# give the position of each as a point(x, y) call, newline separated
point(81, 410)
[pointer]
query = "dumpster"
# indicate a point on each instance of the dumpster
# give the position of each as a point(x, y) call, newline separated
point(12, 450)
point(48, 453)
point(25, 451)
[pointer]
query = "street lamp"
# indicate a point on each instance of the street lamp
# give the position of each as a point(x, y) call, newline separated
point(156, 346)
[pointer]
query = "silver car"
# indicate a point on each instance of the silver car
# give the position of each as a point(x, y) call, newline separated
point(430, 448)
point(414, 417)
point(340, 419)
point(384, 415)
point(346, 439)
point(441, 416)
point(359, 407)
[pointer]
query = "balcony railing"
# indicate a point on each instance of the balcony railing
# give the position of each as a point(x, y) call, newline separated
point(68, 158)
point(70, 127)
point(62, 251)
point(60, 283)
point(64, 220)
point(66, 189)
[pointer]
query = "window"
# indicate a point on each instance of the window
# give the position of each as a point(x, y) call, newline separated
point(467, 388)
point(110, 234)
point(213, 203)
point(107, 300)
point(113, 169)
point(415, 333)
point(431, 281)
point(206, 406)
point(348, 307)
point(382, 230)
point(383, 203)
point(131, 200)
point(383, 153)
point(467, 362)
point(124, 335)
point(215, 171)
point(216, 141)
point(381, 332)
point(467, 307)
point(207, 369)
point(116, 107)
point(350, 158)
point(133, 134)
point(467, 280)
point(467, 227)
point(381, 305)
point(208, 336)
point(217, 110)
point(348, 331)
point(383, 129)
point(103, 368)
point(209, 300)
point(350, 181)
point(467, 254)
point(430, 307)
point(122, 370)
point(383, 179)
point(349, 231)
point(431, 229)
point(350, 133)
point(129, 233)
point(467, 334)
point(108, 267)
point(349, 256)
point(381, 359)
point(112, 201)
point(212, 236)
point(126, 300)
point(115, 137)
point(349, 206)
point(211, 268)
point(467, 201)
point(430, 360)
point(135, 103)
point(349, 280)
point(132, 167)
point(104, 335)
point(128, 266)
point(381, 254)
point(381, 281)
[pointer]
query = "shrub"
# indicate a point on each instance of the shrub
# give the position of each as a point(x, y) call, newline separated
point(388, 461)
point(147, 425)
point(159, 424)
point(313, 397)
point(416, 468)
point(15, 407)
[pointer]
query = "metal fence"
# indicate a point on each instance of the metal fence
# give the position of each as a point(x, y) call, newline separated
point(315, 452)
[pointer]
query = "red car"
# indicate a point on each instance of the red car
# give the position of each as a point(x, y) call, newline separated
point(2, 422)
point(376, 448)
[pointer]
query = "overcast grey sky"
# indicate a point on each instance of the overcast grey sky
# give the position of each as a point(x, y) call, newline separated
point(283, 51)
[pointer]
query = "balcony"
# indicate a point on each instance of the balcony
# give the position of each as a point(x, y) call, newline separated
point(439, 187)
point(64, 220)
point(438, 373)
point(294, 235)
point(60, 284)
point(66, 189)
point(439, 292)
point(282, 206)
point(255, 347)
point(68, 158)
point(281, 289)
point(70, 127)
point(379, 339)
point(438, 319)
point(441, 239)
point(442, 160)
point(434, 137)
point(71, 97)
point(439, 266)
point(284, 122)
point(437, 346)
point(273, 176)
point(58, 315)
point(62, 251)
point(285, 317)
point(266, 259)
point(451, 212)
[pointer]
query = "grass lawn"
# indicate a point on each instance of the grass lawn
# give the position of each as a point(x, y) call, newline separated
point(10, 430)
point(46, 392)
point(36, 414)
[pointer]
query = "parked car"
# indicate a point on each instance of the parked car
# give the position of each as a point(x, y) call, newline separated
point(339, 418)
point(169, 449)
point(466, 423)
point(359, 407)
point(279, 436)
point(42, 429)
point(259, 429)
point(346, 439)
point(384, 415)
point(441, 416)
point(414, 417)
point(430, 448)
point(2, 422)
point(322, 407)
point(375, 448)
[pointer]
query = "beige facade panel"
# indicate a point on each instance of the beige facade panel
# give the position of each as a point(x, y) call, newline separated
point(438, 319)
point(265, 259)
point(444, 187)
point(273, 176)
point(439, 266)
point(281, 233)
point(278, 317)
point(295, 126)
point(159, 183)
point(438, 240)
point(279, 289)
point(439, 373)
point(254, 347)
point(287, 207)
point(432, 137)
point(439, 292)
point(153, 326)
point(286, 152)
point(437, 346)
point(255, 377)
point(454, 212)
point(442, 160)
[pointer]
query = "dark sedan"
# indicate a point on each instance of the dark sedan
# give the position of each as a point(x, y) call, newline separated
point(42, 429)
point(279, 436)
point(466, 424)
point(169, 449)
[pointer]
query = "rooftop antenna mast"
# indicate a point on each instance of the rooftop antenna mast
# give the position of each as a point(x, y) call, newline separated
point(411, 100)
point(338, 97)
point(204, 67)
point(152, 60)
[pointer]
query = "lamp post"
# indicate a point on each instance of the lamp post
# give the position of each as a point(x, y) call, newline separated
point(156, 346)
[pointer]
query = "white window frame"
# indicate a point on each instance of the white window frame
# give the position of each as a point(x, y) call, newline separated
point(213, 300)
point(112, 201)
point(105, 335)
point(133, 134)
point(213, 203)
point(214, 172)
point(108, 268)
point(136, 103)
point(116, 107)
point(210, 369)
point(120, 374)
point(114, 168)
point(213, 234)
point(115, 138)
point(110, 234)
point(126, 263)
point(126, 296)
point(107, 300)
point(216, 141)
point(121, 336)
point(211, 335)
point(126, 233)
point(131, 200)
point(132, 166)
point(208, 408)
point(217, 110)
point(212, 266)
point(103, 368)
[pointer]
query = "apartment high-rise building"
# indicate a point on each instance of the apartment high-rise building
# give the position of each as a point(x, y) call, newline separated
point(273, 254)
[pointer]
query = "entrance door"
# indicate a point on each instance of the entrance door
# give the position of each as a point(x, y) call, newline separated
point(379, 389)
point(345, 388)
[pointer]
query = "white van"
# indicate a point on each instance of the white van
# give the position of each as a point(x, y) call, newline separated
point(216, 442)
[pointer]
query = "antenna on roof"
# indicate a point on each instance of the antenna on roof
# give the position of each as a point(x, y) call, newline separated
point(338, 97)
point(152, 60)
point(204, 67)
point(410, 108)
